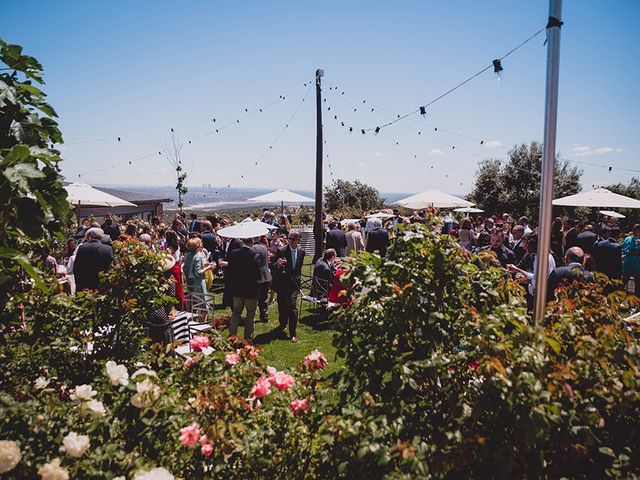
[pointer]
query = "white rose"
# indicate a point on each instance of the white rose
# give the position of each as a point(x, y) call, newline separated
point(41, 383)
point(143, 371)
point(147, 393)
point(53, 471)
point(75, 445)
point(83, 392)
point(10, 455)
point(95, 408)
point(154, 474)
point(117, 373)
point(121, 477)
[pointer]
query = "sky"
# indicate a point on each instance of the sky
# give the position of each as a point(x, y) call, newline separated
point(136, 70)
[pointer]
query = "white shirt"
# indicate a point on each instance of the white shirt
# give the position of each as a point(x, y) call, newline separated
point(532, 276)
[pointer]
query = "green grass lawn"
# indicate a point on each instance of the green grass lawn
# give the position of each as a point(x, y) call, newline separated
point(313, 332)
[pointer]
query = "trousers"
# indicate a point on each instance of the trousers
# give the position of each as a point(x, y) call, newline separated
point(288, 310)
point(239, 304)
point(263, 306)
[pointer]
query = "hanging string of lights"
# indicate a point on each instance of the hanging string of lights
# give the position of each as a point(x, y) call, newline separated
point(269, 148)
point(248, 113)
point(244, 114)
point(496, 65)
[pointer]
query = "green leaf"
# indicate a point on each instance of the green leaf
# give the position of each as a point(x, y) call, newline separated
point(22, 260)
point(553, 343)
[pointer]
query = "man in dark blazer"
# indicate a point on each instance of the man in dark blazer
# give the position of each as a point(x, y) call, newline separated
point(287, 264)
point(242, 271)
point(264, 279)
point(503, 254)
point(378, 239)
point(586, 239)
point(194, 223)
point(110, 227)
point(92, 257)
point(337, 240)
point(209, 238)
point(573, 271)
point(323, 274)
point(608, 255)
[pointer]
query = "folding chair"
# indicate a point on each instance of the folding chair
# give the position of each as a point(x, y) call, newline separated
point(181, 332)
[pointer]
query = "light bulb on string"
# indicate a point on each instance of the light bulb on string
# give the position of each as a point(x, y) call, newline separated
point(497, 69)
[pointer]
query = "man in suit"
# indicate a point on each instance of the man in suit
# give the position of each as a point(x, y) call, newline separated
point(608, 255)
point(242, 271)
point(264, 279)
point(92, 257)
point(194, 225)
point(573, 271)
point(110, 227)
point(287, 263)
point(336, 239)
point(354, 239)
point(209, 238)
point(378, 238)
point(518, 243)
point(586, 239)
point(323, 271)
point(503, 254)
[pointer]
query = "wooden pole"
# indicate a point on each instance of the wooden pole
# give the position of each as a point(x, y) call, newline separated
point(319, 224)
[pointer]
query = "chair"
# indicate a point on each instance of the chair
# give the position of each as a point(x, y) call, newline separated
point(318, 293)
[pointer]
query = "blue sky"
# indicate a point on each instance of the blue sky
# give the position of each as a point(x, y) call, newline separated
point(135, 70)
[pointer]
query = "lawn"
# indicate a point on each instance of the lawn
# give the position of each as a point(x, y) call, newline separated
point(314, 331)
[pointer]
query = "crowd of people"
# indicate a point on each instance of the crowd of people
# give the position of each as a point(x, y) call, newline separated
point(257, 271)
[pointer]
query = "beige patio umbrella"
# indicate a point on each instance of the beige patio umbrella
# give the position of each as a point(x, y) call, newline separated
point(281, 196)
point(433, 198)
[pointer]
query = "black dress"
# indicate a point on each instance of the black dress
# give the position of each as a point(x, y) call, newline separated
point(158, 322)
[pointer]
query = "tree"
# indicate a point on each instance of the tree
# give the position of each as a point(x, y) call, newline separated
point(632, 189)
point(353, 197)
point(34, 203)
point(172, 153)
point(514, 186)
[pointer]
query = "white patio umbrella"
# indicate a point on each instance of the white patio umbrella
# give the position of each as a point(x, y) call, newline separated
point(281, 196)
point(258, 222)
point(244, 230)
point(81, 194)
point(469, 210)
point(433, 198)
point(600, 197)
point(611, 213)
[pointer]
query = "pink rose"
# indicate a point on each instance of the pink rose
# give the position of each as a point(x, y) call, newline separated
point(299, 406)
point(271, 371)
point(232, 359)
point(251, 352)
point(190, 435)
point(199, 342)
point(282, 381)
point(206, 449)
point(262, 388)
point(204, 440)
point(190, 361)
point(315, 360)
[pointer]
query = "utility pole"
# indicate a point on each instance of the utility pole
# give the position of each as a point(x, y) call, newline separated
point(318, 228)
point(548, 159)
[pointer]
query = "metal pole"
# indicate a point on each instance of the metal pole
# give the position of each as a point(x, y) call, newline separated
point(319, 224)
point(548, 159)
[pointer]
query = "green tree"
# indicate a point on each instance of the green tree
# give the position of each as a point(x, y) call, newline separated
point(34, 204)
point(632, 189)
point(345, 196)
point(514, 186)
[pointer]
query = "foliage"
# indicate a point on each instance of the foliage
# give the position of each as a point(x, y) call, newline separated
point(351, 198)
point(514, 186)
point(448, 379)
point(632, 189)
point(34, 205)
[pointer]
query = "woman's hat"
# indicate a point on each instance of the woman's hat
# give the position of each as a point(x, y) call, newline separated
point(167, 262)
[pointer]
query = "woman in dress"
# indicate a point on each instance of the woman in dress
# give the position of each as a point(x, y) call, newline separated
point(557, 241)
point(466, 234)
point(195, 267)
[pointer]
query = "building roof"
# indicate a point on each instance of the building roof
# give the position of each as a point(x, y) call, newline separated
point(134, 197)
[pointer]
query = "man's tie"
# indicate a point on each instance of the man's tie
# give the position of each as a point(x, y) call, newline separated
point(294, 257)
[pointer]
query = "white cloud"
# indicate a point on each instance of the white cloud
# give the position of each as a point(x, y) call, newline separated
point(493, 144)
point(587, 151)
point(362, 165)
point(436, 151)
point(377, 154)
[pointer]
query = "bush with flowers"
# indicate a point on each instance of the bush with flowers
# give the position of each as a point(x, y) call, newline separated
point(448, 378)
